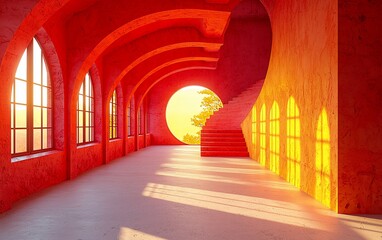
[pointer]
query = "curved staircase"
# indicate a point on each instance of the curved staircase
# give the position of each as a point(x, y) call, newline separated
point(222, 134)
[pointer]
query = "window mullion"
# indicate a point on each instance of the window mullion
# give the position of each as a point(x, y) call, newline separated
point(30, 98)
point(84, 112)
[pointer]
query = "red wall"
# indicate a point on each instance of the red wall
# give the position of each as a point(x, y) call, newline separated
point(86, 157)
point(360, 107)
point(332, 76)
point(244, 58)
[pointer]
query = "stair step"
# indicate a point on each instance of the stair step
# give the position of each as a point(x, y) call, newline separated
point(222, 134)
point(215, 140)
point(224, 154)
point(222, 139)
point(221, 130)
point(242, 144)
point(224, 148)
point(223, 144)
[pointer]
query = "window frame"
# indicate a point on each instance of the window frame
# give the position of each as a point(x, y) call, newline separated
point(139, 120)
point(86, 110)
point(47, 127)
point(113, 116)
point(129, 118)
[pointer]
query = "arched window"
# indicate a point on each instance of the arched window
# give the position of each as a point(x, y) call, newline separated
point(130, 117)
point(139, 122)
point(31, 104)
point(85, 112)
point(129, 132)
point(113, 123)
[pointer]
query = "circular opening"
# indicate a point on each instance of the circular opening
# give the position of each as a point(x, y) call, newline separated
point(187, 111)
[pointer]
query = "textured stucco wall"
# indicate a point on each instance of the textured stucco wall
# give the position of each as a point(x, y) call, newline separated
point(20, 179)
point(360, 107)
point(86, 157)
point(292, 128)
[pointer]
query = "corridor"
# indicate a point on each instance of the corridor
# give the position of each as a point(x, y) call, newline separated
point(170, 192)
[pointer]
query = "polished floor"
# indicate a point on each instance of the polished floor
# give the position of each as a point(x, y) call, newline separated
point(170, 192)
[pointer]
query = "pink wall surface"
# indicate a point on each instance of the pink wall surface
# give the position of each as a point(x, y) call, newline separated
point(359, 107)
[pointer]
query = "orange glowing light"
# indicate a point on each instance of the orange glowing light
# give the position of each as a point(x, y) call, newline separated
point(274, 138)
point(323, 185)
point(293, 143)
point(263, 135)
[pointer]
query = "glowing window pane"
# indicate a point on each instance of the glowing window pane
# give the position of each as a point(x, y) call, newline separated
point(87, 134)
point(12, 116)
point(21, 116)
point(21, 140)
point(37, 139)
point(36, 117)
point(44, 74)
point(37, 62)
point(36, 95)
point(80, 135)
point(46, 143)
point(21, 91)
point(12, 145)
point(87, 119)
point(80, 120)
point(45, 96)
point(21, 71)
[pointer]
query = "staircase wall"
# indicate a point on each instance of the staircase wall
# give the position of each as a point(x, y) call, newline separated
point(292, 129)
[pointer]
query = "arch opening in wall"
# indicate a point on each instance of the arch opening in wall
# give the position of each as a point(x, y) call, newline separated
point(187, 111)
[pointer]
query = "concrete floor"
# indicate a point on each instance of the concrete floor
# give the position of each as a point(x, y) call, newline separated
point(170, 192)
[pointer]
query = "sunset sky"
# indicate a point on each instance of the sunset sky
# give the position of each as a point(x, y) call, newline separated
point(183, 105)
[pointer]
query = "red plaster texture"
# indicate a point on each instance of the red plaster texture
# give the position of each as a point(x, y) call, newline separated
point(149, 50)
point(114, 150)
point(20, 179)
point(77, 38)
point(141, 142)
point(86, 157)
point(359, 107)
point(130, 144)
point(302, 73)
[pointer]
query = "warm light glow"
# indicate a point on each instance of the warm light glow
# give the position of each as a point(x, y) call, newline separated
point(209, 168)
point(263, 135)
point(182, 106)
point(31, 105)
point(225, 179)
point(254, 128)
point(254, 207)
point(293, 143)
point(322, 192)
point(128, 234)
point(274, 138)
point(113, 116)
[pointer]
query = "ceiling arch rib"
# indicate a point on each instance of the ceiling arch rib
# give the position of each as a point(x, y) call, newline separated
point(211, 48)
point(211, 23)
point(145, 90)
point(152, 76)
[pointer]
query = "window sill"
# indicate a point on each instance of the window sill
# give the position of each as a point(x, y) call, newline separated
point(115, 140)
point(33, 156)
point(88, 145)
